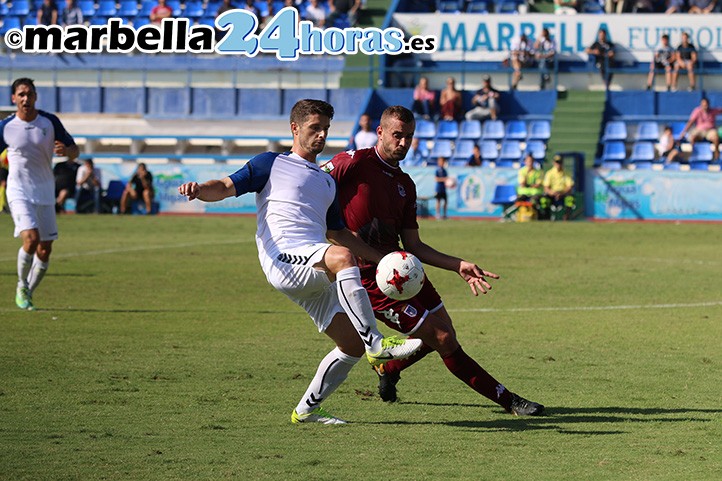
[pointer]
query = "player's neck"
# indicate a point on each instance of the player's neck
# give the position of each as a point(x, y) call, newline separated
point(28, 116)
point(307, 156)
point(391, 163)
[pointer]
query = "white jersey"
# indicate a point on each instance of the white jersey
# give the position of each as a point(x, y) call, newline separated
point(30, 156)
point(296, 201)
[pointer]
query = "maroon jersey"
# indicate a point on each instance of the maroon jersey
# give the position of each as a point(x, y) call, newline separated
point(377, 200)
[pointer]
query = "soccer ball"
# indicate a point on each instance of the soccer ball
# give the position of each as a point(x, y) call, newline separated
point(400, 275)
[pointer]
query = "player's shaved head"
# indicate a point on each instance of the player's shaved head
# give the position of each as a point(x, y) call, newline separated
point(307, 107)
point(397, 112)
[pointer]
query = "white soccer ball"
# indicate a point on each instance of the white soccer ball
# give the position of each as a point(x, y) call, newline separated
point(400, 275)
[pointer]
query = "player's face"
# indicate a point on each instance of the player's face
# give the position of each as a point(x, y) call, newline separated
point(395, 139)
point(312, 133)
point(24, 98)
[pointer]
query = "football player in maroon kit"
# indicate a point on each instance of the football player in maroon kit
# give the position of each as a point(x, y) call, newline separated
point(379, 203)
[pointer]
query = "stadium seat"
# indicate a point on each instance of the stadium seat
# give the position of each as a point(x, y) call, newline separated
point(448, 6)
point(10, 22)
point(505, 196)
point(175, 5)
point(210, 21)
point(510, 150)
point(463, 150)
point(488, 149)
point(441, 148)
point(642, 152)
point(458, 162)
point(194, 9)
point(506, 163)
point(447, 129)
point(139, 21)
point(341, 22)
point(647, 131)
point(672, 166)
point(515, 130)
point(615, 130)
point(540, 130)
point(425, 129)
point(592, 6)
point(20, 8)
point(470, 129)
point(643, 165)
point(677, 128)
point(87, 7)
point(492, 130)
point(701, 152)
point(614, 150)
point(128, 8)
point(106, 8)
point(506, 6)
point(31, 19)
point(99, 20)
point(4, 9)
point(477, 6)
point(537, 149)
point(612, 165)
point(146, 6)
point(699, 166)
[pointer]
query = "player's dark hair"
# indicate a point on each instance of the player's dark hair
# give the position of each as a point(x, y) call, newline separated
point(665, 36)
point(23, 81)
point(307, 107)
point(398, 112)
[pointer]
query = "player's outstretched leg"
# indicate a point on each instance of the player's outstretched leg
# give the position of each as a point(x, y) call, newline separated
point(389, 373)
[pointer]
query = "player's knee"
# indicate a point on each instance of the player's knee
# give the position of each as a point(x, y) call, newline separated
point(340, 258)
point(44, 250)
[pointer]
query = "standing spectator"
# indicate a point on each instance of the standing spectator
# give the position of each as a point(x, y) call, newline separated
point(475, 158)
point(701, 6)
point(686, 59)
point(32, 137)
point(140, 186)
point(424, 99)
point(72, 15)
point(566, 7)
point(450, 101)
point(485, 102)
point(65, 174)
point(88, 182)
point(316, 14)
point(667, 145)
point(704, 119)
point(440, 177)
point(160, 12)
point(557, 189)
point(663, 59)
point(529, 182)
point(521, 57)
point(545, 49)
point(366, 136)
point(340, 8)
point(48, 13)
point(603, 55)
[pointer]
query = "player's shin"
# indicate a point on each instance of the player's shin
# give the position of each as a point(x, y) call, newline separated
point(37, 272)
point(355, 302)
point(332, 371)
point(25, 260)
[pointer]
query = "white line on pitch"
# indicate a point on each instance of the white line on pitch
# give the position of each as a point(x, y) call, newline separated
point(593, 308)
point(671, 260)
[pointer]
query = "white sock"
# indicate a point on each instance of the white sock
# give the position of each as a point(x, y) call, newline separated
point(355, 301)
point(25, 260)
point(332, 371)
point(37, 272)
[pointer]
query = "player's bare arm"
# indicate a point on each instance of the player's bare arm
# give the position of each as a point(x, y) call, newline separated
point(474, 275)
point(69, 151)
point(354, 243)
point(211, 191)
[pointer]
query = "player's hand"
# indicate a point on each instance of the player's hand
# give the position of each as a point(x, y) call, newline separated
point(190, 189)
point(59, 149)
point(475, 276)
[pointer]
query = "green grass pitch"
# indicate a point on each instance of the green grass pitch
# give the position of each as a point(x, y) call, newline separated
point(160, 352)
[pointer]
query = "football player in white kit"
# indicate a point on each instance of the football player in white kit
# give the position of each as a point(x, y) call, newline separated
point(32, 137)
point(297, 215)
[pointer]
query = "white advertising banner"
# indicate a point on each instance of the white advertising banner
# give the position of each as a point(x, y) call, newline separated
point(488, 37)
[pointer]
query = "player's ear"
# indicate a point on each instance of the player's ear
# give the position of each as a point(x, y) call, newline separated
point(294, 128)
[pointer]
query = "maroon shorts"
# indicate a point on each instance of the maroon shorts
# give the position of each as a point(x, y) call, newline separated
point(403, 316)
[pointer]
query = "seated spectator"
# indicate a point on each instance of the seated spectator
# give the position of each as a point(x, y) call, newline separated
point(450, 101)
point(558, 189)
point(475, 158)
point(667, 146)
point(316, 14)
point(674, 6)
point(663, 59)
point(366, 136)
point(704, 120)
point(250, 6)
point(414, 155)
point(424, 99)
point(602, 52)
point(545, 49)
point(160, 12)
point(521, 57)
point(485, 102)
point(87, 182)
point(48, 13)
point(686, 60)
point(338, 8)
point(65, 174)
point(140, 186)
point(224, 7)
point(72, 14)
point(440, 177)
point(701, 6)
point(529, 186)
point(566, 7)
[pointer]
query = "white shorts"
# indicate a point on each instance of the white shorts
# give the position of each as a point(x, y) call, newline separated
point(27, 215)
point(292, 273)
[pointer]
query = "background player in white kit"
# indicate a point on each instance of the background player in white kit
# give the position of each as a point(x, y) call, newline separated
point(297, 211)
point(31, 137)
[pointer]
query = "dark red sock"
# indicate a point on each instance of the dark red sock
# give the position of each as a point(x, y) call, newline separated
point(469, 371)
point(401, 364)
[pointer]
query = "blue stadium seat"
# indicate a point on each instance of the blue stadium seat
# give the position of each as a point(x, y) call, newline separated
point(672, 166)
point(506, 6)
point(699, 166)
point(615, 130)
point(515, 130)
point(458, 162)
point(341, 22)
point(510, 150)
point(701, 152)
point(504, 194)
point(447, 129)
point(425, 129)
point(488, 149)
point(592, 6)
point(540, 130)
point(175, 5)
point(128, 8)
point(505, 163)
point(98, 20)
point(614, 150)
point(31, 19)
point(87, 7)
point(448, 6)
point(212, 8)
point(139, 21)
point(642, 152)
point(146, 6)
point(492, 130)
point(612, 165)
point(470, 129)
point(643, 165)
point(61, 5)
point(477, 6)
point(418, 158)
point(8, 23)
point(463, 149)
point(4, 9)
point(677, 128)
point(441, 148)
point(115, 189)
point(106, 8)
point(194, 9)
point(262, 8)
point(210, 21)
point(647, 131)
point(20, 8)
point(537, 149)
